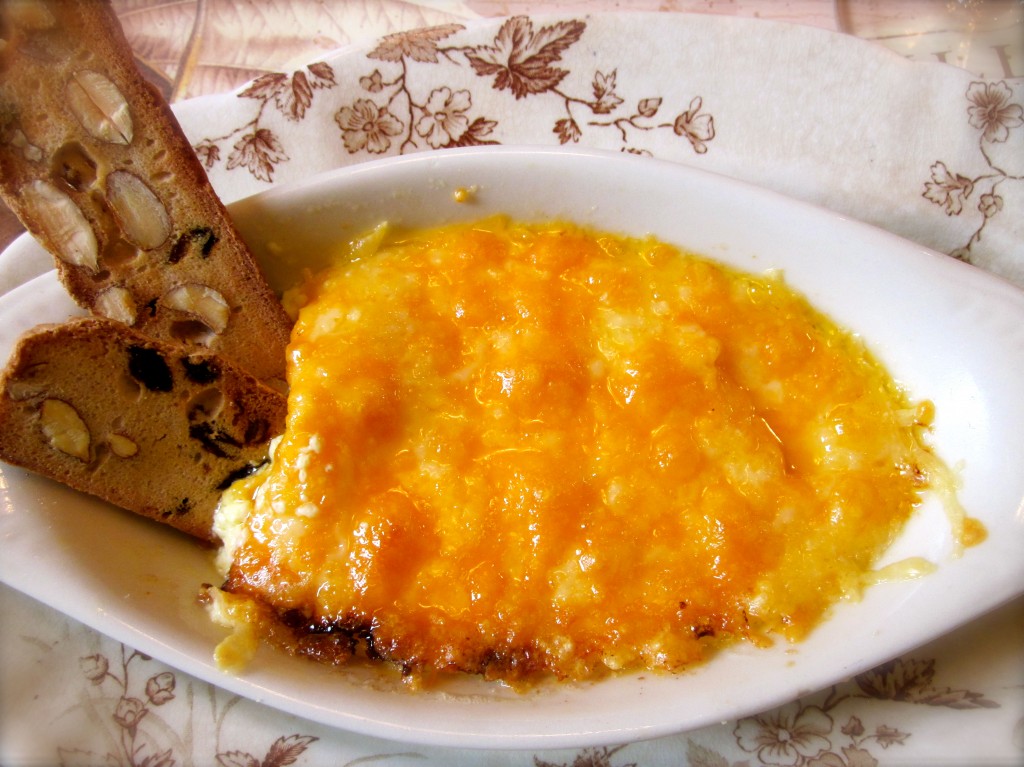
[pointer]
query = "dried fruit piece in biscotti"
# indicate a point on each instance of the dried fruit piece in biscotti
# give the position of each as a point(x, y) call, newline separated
point(95, 165)
point(155, 428)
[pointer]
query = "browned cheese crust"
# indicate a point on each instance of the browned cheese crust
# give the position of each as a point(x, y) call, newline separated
point(95, 165)
point(153, 428)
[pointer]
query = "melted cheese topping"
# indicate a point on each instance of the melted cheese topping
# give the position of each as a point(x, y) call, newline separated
point(518, 449)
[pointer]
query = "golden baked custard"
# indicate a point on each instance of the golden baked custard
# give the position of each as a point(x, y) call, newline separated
point(524, 450)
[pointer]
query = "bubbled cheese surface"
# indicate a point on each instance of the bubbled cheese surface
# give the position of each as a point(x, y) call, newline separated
point(515, 450)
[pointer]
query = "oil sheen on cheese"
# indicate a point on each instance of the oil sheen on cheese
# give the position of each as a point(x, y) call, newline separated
point(532, 450)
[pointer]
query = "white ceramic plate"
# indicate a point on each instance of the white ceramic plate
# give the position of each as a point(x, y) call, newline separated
point(949, 332)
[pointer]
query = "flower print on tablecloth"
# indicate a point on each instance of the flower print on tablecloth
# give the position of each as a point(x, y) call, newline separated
point(994, 114)
point(826, 730)
point(813, 734)
point(128, 716)
point(806, 736)
point(117, 707)
point(589, 757)
point(409, 102)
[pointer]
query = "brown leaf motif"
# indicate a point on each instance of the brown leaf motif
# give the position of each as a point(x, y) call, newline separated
point(897, 679)
point(854, 727)
point(521, 59)
point(888, 736)
point(912, 681)
point(291, 94)
point(293, 101)
point(286, 750)
point(605, 98)
point(208, 153)
point(259, 152)
point(588, 757)
point(567, 130)
point(956, 699)
point(237, 759)
point(419, 44)
point(701, 756)
point(265, 86)
point(475, 135)
point(321, 75)
point(283, 751)
point(947, 189)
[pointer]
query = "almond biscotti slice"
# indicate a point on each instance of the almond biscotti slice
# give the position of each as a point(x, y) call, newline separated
point(95, 165)
point(154, 428)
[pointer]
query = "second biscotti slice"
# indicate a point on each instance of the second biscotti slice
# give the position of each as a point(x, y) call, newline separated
point(96, 166)
point(150, 427)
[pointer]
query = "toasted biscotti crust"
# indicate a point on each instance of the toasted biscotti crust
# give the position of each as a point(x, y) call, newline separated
point(150, 427)
point(95, 165)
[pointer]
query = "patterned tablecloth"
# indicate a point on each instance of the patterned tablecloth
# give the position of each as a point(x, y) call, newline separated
point(271, 92)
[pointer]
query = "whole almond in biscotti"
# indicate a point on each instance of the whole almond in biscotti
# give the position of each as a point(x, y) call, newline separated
point(155, 428)
point(95, 165)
